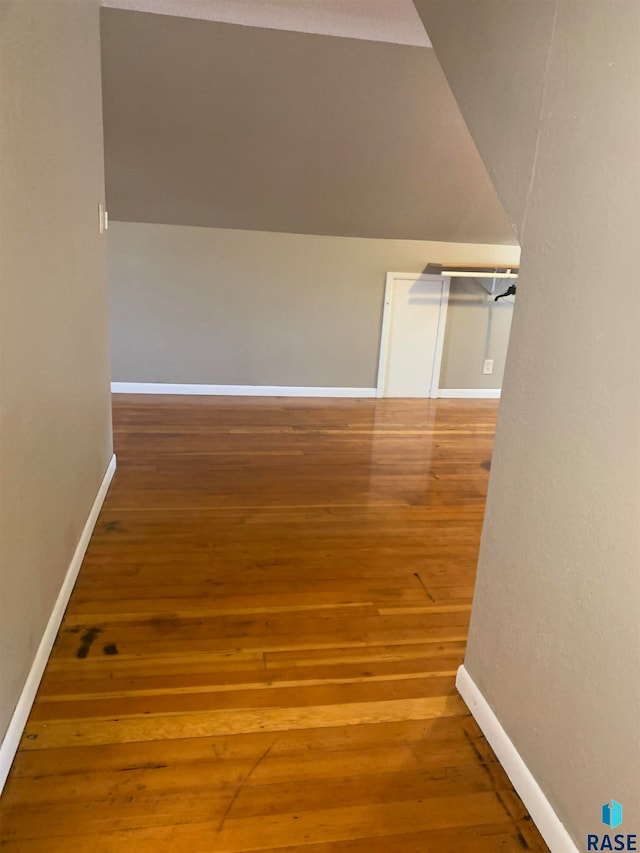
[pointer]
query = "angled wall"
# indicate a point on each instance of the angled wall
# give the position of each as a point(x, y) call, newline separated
point(555, 636)
point(478, 52)
point(226, 126)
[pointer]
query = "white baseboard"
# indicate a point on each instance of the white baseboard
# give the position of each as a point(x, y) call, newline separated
point(12, 737)
point(549, 824)
point(239, 390)
point(470, 393)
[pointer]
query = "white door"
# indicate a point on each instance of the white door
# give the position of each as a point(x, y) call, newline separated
point(415, 308)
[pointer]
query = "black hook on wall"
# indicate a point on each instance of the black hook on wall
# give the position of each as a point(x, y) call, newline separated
point(510, 291)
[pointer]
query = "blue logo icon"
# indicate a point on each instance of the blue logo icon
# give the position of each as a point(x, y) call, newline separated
point(612, 814)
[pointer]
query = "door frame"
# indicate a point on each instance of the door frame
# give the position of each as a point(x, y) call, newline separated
point(385, 334)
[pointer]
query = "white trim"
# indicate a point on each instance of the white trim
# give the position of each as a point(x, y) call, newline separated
point(18, 721)
point(470, 393)
point(239, 390)
point(385, 332)
point(542, 813)
point(442, 324)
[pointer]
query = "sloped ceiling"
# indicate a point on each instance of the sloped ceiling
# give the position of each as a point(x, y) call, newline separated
point(393, 21)
point(217, 124)
point(504, 125)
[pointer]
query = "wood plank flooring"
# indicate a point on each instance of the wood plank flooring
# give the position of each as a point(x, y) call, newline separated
point(261, 648)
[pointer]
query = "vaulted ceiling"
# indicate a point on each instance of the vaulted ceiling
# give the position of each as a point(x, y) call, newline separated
point(280, 128)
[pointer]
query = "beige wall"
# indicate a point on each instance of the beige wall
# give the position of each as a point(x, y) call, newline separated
point(54, 402)
point(219, 306)
point(477, 328)
point(555, 634)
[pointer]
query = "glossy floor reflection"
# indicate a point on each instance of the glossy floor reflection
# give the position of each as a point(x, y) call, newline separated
point(261, 648)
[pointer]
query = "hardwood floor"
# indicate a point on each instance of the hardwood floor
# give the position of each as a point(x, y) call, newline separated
point(260, 650)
